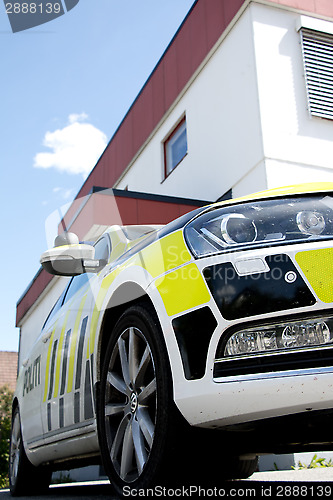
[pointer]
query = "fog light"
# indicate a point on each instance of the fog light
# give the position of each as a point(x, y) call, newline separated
point(303, 335)
point(249, 341)
point(288, 335)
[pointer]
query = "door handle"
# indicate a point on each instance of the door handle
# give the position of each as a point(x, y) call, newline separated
point(46, 337)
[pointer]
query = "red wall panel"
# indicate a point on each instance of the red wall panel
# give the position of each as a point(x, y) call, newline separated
point(170, 76)
point(156, 212)
point(198, 35)
point(215, 21)
point(321, 7)
point(125, 151)
point(184, 63)
point(158, 102)
point(109, 165)
point(230, 9)
point(128, 208)
point(324, 7)
point(142, 118)
point(41, 280)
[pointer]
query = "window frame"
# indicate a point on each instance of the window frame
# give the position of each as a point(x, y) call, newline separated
point(106, 238)
point(166, 142)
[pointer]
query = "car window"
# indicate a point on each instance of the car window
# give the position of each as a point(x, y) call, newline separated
point(56, 306)
point(75, 284)
point(102, 252)
point(103, 248)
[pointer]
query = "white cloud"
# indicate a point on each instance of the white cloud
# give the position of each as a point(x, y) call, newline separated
point(77, 118)
point(64, 193)
point(75, 148)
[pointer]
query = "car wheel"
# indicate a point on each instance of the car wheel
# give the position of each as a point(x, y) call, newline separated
point(24, 478)
point(136, 418)
point(222, 459)
point(234, 467)
point(243, 469)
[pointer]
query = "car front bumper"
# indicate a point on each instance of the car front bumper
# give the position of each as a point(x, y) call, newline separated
point(227, 401)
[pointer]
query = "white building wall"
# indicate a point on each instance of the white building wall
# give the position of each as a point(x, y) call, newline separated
point(248, 123)
point(297, 147)
point(223, 126)
point(254, 180)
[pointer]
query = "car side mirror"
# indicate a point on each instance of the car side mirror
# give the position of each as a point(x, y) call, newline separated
point(69, 257)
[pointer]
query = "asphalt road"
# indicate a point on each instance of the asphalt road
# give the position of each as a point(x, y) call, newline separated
point(317, 483)
point(74, 491)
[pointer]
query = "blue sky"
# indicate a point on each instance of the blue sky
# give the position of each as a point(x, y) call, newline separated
point(65, 87)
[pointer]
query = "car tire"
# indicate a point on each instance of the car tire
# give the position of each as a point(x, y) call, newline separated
point(244, 468)
point(213, 459)
point(24, 478)
point(138, 423)
point(168, 450)
point(234, 467)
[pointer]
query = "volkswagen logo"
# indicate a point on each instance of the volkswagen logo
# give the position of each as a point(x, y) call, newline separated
point(134, 402)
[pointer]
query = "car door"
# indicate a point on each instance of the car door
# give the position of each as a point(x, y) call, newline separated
point(67, 404)
point(33, 367)
point(64, 345)
point(31, 394)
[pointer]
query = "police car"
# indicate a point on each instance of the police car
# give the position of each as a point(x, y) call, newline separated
point(195, 346)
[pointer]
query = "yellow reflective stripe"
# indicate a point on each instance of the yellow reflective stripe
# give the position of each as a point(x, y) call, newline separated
point(59, 355)
point(158, 258)
point(73, 346)
point(107, 281)
point(165, 254)
point(88, 348)
point(95, 315)
point(47, 371)
point(317, 265)
point(182, 289)
point(304, 188)
point(118, 244)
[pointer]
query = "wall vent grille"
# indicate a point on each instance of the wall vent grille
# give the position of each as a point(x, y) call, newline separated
point(318, 63)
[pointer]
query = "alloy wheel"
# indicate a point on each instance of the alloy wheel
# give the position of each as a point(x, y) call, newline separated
point(15, 448)
point(130, 409)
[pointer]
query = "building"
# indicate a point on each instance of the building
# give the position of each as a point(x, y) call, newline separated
point(241, 100)
point(8, 369)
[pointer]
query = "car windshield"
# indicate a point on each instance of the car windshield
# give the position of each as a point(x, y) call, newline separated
point(135, 232)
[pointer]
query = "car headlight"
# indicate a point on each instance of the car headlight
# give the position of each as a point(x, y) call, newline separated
point(287, 335)
point(265, 222)
point(236, 228)
point(309, 222)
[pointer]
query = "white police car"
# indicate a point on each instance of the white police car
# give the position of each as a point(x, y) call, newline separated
point(194, 346)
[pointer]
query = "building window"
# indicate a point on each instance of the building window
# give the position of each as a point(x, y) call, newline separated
point(175, 148)
point(318, 63)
